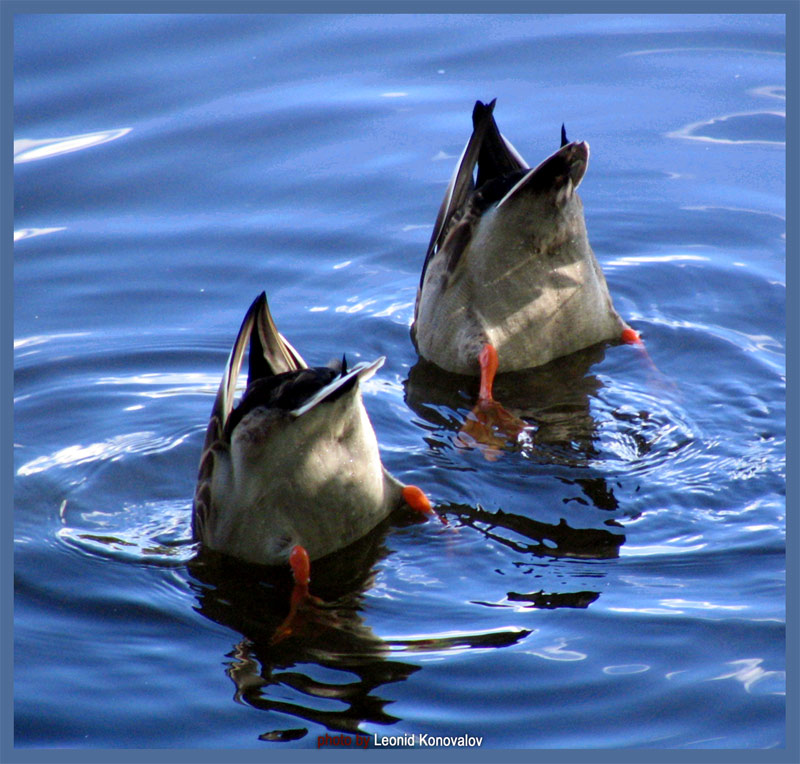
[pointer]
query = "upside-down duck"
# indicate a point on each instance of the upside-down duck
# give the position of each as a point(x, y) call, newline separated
point(291, 473)
point(509, 280)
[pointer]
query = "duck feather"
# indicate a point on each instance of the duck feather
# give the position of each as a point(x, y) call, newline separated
point(295, 461)
point(509, 262)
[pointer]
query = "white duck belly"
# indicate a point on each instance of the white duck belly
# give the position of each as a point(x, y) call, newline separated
point(316, 481)
point(295, 465)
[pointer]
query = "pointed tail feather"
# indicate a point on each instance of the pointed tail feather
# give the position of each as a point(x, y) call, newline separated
point(360, 372)
point(497, 156)
point(270, 352)
point(494, 156)
point(461, 184)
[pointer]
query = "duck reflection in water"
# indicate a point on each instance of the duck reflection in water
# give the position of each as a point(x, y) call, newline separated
point(553, 402)
point(541, 540)
point(252, 600)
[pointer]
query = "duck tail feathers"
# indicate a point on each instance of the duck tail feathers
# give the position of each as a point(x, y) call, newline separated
point(493, 155)
point(345, 381)
point(461, 183)
point(270, 352)
point(497, 157)
point(223, 403)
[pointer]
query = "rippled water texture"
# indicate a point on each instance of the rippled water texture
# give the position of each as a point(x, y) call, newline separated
point(615, 579)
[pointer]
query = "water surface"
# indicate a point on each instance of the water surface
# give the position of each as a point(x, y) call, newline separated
point(615, 581)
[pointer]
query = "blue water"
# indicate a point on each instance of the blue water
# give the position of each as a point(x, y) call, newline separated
point(617, 581)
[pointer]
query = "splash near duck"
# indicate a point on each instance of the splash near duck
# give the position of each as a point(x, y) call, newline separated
point(291, 473)
point(509, 262)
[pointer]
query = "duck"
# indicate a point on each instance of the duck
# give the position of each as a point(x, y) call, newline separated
point(291, 473)
point(509, 280)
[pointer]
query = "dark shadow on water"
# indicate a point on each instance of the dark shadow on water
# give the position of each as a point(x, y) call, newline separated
point(554, 399)
point(552, 601)
point(527, 536)
point(531, 537)
point(555, 402)
point(254, 601)
point(332, 637)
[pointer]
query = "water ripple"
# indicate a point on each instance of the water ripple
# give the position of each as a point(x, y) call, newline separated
point(155, 533)
point(26, 150)
point(29, 233)
point(108, 450)
point(765, 127)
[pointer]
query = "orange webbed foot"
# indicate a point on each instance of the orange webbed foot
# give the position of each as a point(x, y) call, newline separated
point(416, 499)
point(300, 599)
point(489, 425)
point(631, 337)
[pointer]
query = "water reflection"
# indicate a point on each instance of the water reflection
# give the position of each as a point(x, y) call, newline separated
point(146, 442)
point(527, 536)
point(750, 673)
point(554, 399)
point(149, 532)
point(254, 601)
point(28, 233)
point(27, 150)
point(333, 664)
point(601, 434)
point(554, 600)
point(764, 127)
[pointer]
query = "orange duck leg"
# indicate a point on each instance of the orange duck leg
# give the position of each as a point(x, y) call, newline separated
point(301, 598)
point(489, 425)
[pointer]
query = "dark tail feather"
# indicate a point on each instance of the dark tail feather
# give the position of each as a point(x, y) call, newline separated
point(270, 352)
point(257, 365)
point(564, 140)
point(494, 159)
